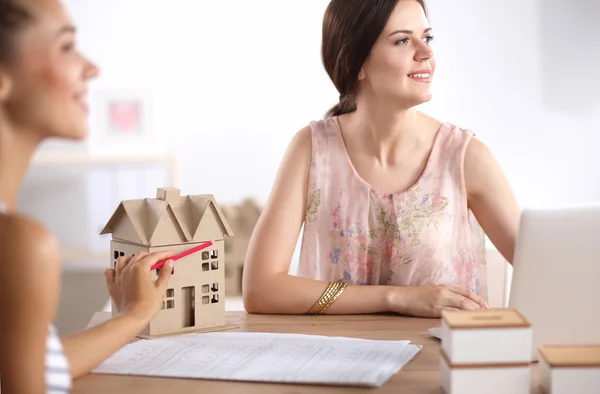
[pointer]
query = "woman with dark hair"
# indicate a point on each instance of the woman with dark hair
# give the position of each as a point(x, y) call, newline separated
point(390, 199)
point(43, 84)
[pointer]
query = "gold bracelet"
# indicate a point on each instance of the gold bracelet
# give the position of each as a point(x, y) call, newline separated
point(328, 293)
point(329, 296)
point(335, 297)
point(333, 289)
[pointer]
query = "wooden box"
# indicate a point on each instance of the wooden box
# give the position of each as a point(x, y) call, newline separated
point(484, 378)
point(570, 369)
point(497, 336)
point(485, 351)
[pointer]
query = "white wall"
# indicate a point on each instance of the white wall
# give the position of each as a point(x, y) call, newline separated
point(522, 75)
point(232, 81)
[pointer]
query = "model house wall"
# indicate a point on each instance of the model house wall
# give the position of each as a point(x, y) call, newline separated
point(194, 299)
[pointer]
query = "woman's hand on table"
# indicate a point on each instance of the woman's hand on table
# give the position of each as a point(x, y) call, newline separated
point(430, 301)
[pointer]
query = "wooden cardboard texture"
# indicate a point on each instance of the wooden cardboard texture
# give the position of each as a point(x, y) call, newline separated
point(211, 220)
point(493, 318)
point(210, 225)
point(121, 227)
point(571, 356)
point(242, 219)
point(168, 194)
point(197, 286)
point(195, 298)
point(167, 230)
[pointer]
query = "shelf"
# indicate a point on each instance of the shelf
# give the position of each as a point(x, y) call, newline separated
point(79, 158)
point(82, 159)
point(82, 254)
point(83, 260)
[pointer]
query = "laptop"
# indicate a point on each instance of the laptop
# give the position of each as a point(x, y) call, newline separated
point(556, 277)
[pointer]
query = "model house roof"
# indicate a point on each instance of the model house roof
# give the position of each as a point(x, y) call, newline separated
point(168, 219)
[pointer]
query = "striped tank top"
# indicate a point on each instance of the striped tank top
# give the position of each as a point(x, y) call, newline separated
point(58, 376)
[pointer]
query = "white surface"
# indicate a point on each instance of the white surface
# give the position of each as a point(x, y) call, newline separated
point(556, 272)
point(264, 357)
point(497, 268)
point(490, 345)
point(204, 100)
point(48, 158)
point(569, 380)
point(193, 105)
point(435, 332)
point(506, 380)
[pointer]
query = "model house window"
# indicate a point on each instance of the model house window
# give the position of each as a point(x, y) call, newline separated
point(214, 265)
point(172, 271)
point(205, 266)
point(169, 300)
point(207, 299)
point(205, 255)
point(116, 256)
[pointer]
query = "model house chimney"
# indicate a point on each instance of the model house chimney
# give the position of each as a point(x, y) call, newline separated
point(168, 194)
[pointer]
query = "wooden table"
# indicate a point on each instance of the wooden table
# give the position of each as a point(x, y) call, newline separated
point(421, 375)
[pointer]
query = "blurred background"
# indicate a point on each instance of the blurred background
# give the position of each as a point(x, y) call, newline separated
point(206, 95)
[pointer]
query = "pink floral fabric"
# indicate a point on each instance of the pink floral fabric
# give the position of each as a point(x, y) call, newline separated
point(424, 235)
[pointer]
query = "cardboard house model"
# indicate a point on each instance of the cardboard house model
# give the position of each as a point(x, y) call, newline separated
point(242, 219)
point(195, 299)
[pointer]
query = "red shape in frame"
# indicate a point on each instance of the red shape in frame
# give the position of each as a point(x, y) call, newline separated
point(125, 116)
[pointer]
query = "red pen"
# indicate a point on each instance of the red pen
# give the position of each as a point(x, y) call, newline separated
point(182, 254)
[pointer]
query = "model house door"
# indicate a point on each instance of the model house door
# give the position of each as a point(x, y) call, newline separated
point(188, 310)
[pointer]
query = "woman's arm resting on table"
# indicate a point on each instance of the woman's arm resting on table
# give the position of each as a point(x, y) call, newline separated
point(29, 285)
point(268, 288)
point(491, 198)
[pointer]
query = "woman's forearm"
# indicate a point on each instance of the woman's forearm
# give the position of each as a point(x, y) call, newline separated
point(287, 294)
point(87, 349)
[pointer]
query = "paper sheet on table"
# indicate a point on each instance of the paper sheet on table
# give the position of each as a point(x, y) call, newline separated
point(264, 357)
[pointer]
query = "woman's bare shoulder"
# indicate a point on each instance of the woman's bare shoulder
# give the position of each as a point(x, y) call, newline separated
point(23, 235)
point(29, 252)
point(429, 121)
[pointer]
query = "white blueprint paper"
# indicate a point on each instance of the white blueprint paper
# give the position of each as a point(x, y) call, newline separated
point(264, 357)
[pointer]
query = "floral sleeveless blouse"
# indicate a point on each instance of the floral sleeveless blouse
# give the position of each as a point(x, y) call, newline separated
point(424, 235)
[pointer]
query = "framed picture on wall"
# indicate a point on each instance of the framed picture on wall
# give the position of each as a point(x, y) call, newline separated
point(121, 124)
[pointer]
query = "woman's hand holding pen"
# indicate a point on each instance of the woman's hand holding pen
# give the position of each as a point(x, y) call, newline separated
point(131, 287)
